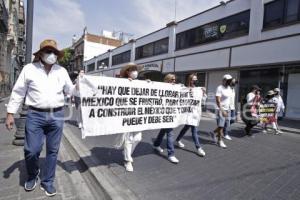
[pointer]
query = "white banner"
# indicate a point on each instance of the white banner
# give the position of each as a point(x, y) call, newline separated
point(117, 105)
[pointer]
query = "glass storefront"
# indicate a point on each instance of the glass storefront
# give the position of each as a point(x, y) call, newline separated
point(267, 79)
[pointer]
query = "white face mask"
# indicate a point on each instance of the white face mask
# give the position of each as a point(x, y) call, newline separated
point(50, 59)
point(134, 74)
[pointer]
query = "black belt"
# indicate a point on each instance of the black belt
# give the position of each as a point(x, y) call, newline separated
point(46, 109)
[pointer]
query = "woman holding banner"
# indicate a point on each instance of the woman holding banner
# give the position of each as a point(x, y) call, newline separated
point(169, 78)
point(129, 140)
point(192, 78)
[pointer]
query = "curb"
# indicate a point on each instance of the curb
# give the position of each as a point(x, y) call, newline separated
point(283, 128)
point(112, 186)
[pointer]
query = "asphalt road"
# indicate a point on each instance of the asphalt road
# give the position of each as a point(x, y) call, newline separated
point(265, 166)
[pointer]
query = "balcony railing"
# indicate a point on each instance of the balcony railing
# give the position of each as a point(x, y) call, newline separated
point(3, 18)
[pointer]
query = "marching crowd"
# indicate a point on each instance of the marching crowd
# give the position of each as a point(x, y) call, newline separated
point(225, 116)
point(42, 84)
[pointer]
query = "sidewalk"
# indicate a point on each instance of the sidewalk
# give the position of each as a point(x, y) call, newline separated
point(287, 125)
point(14, 174)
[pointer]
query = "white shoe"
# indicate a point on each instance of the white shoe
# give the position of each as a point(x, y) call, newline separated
point(279, 132)
point(222, 144)
point(201, 152)
point(79, 125)
point(227, 137)
point(180, 144)
point(158, 149)
point(128, 166)
point(264, 131)
point(173, 159)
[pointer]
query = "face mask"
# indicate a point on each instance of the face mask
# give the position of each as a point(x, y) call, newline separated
point(50, 59)
point(134, 74)
point(228, 82)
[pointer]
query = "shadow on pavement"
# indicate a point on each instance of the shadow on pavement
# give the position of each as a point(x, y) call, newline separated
point(104, 156)
point(20, 166)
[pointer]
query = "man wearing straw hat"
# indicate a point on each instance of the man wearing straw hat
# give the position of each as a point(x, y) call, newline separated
point(42, 84)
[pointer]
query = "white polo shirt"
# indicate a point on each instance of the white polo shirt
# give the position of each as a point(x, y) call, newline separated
point(40, 89)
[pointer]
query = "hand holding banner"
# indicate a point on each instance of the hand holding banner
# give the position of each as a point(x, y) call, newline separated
point(115, 105)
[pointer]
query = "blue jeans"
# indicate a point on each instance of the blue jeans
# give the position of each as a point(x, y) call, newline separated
point(229, 122)
point(170, 144)
point(194, 134)
point(41, 125)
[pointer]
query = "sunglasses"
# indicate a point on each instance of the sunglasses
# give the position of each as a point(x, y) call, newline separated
point(49, 51)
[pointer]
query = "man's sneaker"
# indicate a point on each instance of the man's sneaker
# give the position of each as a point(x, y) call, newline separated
point(221, 144)
point(49, 190)
point(79, 125)
point(213, 137)
point(180, 144)
point(128, 166)
point(278, 132)
point(173, 159)
point(264, 131)
point(227, 137)
point(201, 152)
point(31, 184)
point(158, 149)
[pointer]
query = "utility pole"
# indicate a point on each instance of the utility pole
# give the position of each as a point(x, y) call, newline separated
point(175, 10)
point(20, 122)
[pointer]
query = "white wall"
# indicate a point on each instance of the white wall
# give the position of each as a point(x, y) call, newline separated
point(208, 60)
point(220, 12)
point(121, 49)
point(163, 33)
point(273, 51)
point(168, 65)
point(92, 49)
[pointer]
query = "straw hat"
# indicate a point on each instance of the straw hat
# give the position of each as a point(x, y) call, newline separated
point(270, 93)
point(130, 67)
point(49, 44)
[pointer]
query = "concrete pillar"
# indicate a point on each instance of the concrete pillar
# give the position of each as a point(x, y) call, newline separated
point(110, 58)
point(132, 55)
point(172, 38)
point(256, 20)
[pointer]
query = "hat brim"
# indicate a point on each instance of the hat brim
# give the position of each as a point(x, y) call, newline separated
point(59, 53)
point(128, 66)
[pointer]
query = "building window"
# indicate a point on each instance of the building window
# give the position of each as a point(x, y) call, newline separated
point(161, 46)
point(229, 27)
point(281, 12)
point(91, 67)
point(121, 58)
point(152, 49)
point(147, 50)
point(292, 11)
point(102, 63)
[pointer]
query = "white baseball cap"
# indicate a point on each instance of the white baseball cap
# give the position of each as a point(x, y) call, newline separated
point(227, 77)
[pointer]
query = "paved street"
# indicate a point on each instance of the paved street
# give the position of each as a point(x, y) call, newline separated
point(263, 167)
point(13, 171)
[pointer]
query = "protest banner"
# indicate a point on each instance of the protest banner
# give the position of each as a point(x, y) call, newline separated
point(117, 105)
point(267, 113)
